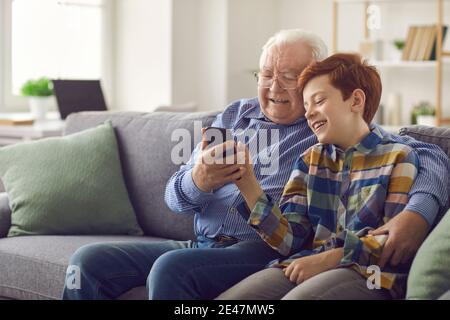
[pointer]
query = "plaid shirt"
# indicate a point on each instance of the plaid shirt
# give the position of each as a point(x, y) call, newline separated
point(335, 197)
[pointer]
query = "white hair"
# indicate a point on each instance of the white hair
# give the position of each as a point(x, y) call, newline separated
point(318, 47)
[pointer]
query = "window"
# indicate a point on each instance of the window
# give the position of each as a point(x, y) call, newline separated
point(53, 38)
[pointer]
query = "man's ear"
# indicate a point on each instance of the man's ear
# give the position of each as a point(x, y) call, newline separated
point(358, 101)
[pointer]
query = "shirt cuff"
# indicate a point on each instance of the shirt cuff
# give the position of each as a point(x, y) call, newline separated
point(243, 210)
point(190, 190)
point(424, 205)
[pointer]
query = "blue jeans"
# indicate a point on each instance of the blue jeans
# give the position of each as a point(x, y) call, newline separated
point(172, 270)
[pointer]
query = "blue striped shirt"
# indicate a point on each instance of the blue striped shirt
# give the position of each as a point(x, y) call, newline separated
point(216, 212)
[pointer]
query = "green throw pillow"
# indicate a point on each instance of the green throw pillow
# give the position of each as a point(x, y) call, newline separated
point(68, 185)
point(429, 277)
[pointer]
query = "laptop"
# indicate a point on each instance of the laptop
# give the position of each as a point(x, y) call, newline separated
point(78, 95)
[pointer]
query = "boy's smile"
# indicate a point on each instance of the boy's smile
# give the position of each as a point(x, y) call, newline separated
point(317, 125)
point(333, 120)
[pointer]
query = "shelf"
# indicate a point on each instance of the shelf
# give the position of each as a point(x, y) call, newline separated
point(439, 66)
point(445, 121)
point(404, 64)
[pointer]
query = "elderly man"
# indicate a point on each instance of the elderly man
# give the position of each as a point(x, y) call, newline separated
point(227, 249)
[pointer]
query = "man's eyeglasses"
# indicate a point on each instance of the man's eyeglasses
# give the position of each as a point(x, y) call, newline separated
point(286, 80)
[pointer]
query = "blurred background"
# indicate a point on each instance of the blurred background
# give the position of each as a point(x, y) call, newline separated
point(201, 54)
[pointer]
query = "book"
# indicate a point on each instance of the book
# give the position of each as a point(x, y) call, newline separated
point(426, 41)
point(15, 119)
point(433, 51)
point(409, 42)
point(431, 39)
point(417, 43)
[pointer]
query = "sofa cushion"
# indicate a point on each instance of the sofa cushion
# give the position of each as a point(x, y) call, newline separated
point(5, 215)
point(68, 185)
point(435, 135)
point(34, 267)
point(429, 277)
point(145, 145)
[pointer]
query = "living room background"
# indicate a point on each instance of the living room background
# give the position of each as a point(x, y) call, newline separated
point(203, 52)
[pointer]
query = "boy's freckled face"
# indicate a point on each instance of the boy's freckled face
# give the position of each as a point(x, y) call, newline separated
point(329, 116)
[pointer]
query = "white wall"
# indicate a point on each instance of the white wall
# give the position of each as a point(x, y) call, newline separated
point(213, 48)
point(212, 53)
point(311, 15)
point(199, 53)
point(185, 42)
point(143, 54)
point(250, 24)
point(216, 47)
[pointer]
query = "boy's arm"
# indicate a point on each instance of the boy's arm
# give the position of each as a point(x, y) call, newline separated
point(367, 250)
point(286, 227)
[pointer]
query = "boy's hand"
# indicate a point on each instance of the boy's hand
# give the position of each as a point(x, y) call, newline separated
point(304, 268)
point(244, 161)
point(247, 183)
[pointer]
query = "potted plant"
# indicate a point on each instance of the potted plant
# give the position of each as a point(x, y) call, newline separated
point(399, 45)
point(423, 114)
point(39, 93)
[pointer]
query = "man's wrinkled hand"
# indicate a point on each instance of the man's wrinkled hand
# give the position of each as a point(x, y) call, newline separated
point(406, 232)
point(212, 170)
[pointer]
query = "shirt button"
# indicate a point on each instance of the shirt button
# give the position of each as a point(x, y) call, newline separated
point(233, 210)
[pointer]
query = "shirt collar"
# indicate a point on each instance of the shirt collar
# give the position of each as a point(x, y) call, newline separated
point(256, 113)
point(370, 141)
point(365, 146)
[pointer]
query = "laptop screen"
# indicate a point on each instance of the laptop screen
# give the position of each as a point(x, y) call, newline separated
point(78, 95)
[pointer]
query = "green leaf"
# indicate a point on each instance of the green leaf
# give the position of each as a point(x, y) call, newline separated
point(41, 87)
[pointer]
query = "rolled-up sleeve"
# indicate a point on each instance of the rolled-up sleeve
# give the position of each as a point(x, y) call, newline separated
point(429, 193)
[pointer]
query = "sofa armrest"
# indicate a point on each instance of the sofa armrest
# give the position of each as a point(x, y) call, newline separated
point(5, 215)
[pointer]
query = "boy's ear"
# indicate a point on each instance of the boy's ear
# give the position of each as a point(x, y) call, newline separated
point(358, 100)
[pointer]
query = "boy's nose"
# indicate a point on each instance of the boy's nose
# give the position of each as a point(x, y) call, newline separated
point(309, 113)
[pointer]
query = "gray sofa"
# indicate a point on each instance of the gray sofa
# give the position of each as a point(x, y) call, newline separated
point(34, 267)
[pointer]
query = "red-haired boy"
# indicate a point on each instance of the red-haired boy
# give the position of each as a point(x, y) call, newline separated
point(353, 181)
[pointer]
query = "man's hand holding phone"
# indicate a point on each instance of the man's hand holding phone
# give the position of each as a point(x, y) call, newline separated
point(212, 170)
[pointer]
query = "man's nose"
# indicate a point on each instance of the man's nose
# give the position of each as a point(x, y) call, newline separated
point(276, 85)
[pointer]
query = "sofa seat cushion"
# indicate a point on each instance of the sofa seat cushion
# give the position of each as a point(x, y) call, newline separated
point(34, 267)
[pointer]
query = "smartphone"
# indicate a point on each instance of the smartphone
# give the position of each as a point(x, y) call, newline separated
point(216, 136)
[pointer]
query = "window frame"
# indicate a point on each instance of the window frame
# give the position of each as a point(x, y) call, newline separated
point(15, 103)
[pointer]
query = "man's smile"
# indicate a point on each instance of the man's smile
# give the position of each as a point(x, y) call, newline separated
point(278, 101)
